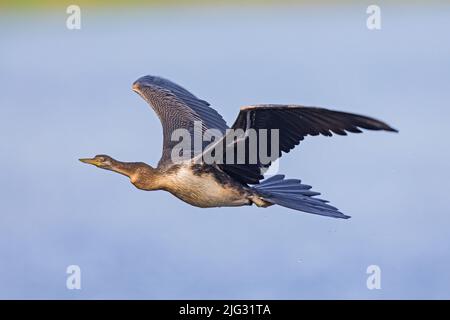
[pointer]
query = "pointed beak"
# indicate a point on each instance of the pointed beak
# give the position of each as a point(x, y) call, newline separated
point(89, 161)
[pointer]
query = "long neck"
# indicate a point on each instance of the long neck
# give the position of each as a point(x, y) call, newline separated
point(141, 174)
point(126, 168)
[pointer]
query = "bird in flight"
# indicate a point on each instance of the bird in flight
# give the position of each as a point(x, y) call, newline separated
point(232, 183)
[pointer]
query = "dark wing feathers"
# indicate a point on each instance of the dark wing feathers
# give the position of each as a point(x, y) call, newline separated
point(176, 108)
point(294, 123)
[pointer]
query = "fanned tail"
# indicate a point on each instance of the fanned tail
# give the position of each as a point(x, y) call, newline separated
point(291, 193)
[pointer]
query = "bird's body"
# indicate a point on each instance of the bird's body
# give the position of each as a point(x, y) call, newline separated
point(200, 185)
point(236, 183)
point(205, 186)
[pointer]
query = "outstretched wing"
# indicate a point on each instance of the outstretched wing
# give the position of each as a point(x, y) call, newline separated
point(176, 108)
point(294, 123)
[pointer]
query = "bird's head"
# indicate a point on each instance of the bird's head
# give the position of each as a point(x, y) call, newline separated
point(141, 174)
point(100, 161)
point(146, 81)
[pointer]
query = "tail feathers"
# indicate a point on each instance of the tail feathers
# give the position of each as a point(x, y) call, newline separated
point(291, 193)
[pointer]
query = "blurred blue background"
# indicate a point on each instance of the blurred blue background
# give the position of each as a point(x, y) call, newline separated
point(66, 94)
